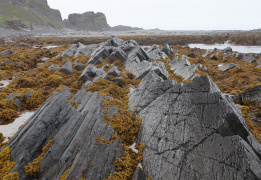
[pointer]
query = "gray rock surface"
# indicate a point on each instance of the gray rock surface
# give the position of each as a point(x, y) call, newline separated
point(259, 62)
point(213, 57)
point(184, 68)
point(228, 50)
point(72, 146)
point(167, 50)
point(248, 58)
point(6, 53)
point(88, 73)
point(192, 131)
point(155, 53)
point(4, 63)
point(79, 66)
point(227, 67)
point(67, 68)
point(252, 96)
point(53, 67)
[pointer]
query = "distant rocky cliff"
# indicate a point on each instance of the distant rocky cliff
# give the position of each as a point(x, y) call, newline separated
point(24, 14)
point(88, 21)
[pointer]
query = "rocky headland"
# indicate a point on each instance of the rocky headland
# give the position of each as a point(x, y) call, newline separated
point(119, 110)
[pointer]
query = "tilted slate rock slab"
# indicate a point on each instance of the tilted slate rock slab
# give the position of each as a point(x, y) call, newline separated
point(252, 95)
point(74, 145)
point(183, 67)
point(192, 131)
point(227, 67)
point(67, 68)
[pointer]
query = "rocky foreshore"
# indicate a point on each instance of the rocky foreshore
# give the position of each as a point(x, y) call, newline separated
point(138, 112)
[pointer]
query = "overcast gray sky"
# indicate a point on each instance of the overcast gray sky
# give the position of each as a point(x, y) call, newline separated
point(170, 14)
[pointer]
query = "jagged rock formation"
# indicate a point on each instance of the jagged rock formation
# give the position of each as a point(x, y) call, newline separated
point(191, 131)
point(88, 21)
point(28, 14)
point(74, 144)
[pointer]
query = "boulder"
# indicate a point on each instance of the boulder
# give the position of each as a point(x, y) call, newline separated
point(69, 52)
point(252, 96)
point(192, 131)
point(227, 67)
point(141, 69)
point(138, 54)
point(114, 41)
point(259, 62)
point(167, 50)
point(98, 55)
point(228, 50)
point(238, 55)
point(213, 57)
point(248, 58)
point(53, 67)
point(12, 97)
point(112, 72)
point(67, 68)
point(205, 55)
point(183, 68)
point(155, 53)
point(79, 66)
point(7, 53)
point(88, 73)
point(46, 59)
point(4, 63)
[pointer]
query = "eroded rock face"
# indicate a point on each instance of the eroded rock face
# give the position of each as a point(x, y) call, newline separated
point(192, 131)
point(74, 144)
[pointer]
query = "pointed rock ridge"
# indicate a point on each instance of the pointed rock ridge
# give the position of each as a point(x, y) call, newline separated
point(167, 50)
point(67, 68)
point(249, 58)
point(155, 53)
point(141, 69)
point(192, 131)
point(184, 68)
point(114, 41)
point(74, 144)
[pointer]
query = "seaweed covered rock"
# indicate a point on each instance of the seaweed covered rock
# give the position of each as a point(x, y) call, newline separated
point(73, 134)
point(192, 131)
point(252, 96)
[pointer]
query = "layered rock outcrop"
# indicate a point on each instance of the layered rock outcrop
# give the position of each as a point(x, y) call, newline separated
point(191, 131)
point(29, 14)
point(88, 21)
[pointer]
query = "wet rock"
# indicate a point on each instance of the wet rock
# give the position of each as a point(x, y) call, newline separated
point(67, 68)
point(141, 69)
point(7, 53)
point(192, 131)
point(205, 55)
point(213, 57)
point(259, 62)
point(248, 58)
point(228, 50)
point(79, 66)
point(183, 68)
point(252, 96)
point(4, 63)
point(12, 97)
point(57, 118)
point(155, 53)
point(53, 67)
point(112, 72)
point(88, 73)
point(98, 55)
point(139, 175)
point(227, 67)
point(238, 55)
point(45, 59)
point(119, 81)
point(114, 41)
point(138, 54)
point(167, 50)
point(16, 64)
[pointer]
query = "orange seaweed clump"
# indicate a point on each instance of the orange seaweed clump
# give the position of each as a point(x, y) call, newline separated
point(6, 165)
